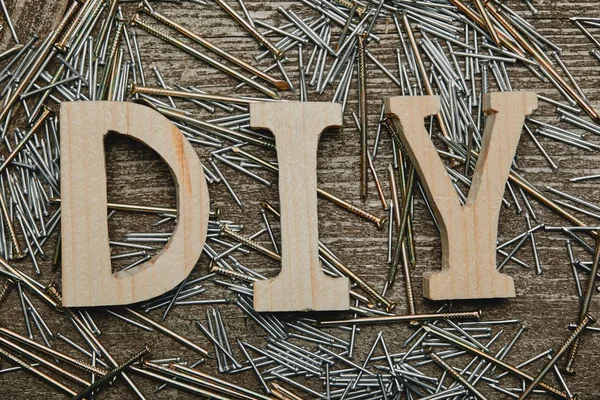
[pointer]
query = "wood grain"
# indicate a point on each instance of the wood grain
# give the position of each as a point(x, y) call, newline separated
point(545, 303)
point(469, 232)
point(87, 279)
point(28, 20)
point(301, 285)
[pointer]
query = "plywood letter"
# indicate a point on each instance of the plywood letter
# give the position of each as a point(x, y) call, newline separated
point(87, 279)
point(301, 284)
point(468, 232)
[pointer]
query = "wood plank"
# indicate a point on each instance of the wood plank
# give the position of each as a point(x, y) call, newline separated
point(546, 303)
point(28, 18)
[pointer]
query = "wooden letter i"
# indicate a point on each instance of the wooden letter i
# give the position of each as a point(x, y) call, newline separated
point(301, 284)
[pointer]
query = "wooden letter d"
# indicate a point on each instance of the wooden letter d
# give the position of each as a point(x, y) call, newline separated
point(86, 268)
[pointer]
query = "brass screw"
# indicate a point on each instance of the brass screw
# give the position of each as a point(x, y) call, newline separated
point(37, 372)
point(404, 318)
point(5, 290)
point(190, 50)
point(53, 353)
point(585, 305)
point(233, 274)
point(249, 242)
point(490, 358)
point(588, 319)
point(11, 229)
point(362, 95)
point(113, 373)
point(323, 193)
point(374, 294)
point(280, 84)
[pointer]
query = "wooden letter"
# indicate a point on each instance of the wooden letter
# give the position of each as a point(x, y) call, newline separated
point(86, 269)
point(301, 284)
point(468, 232)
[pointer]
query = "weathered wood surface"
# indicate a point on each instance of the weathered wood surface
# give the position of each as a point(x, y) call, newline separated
point(546, 303)
point(31, 17)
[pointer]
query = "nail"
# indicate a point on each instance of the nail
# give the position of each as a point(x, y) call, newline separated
point(168, 332)
point(252, 30)
point(501, 364)
point(585, 305)
point(201, 56)
point(34, 371)
point(455, 375)
point(269, 231)
point(323, 193)
point(43, 362)
point(281, 85)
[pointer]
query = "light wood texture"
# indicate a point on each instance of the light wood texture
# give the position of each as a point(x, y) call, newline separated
point(87, 279)
point(469, 232)
point(301, 285)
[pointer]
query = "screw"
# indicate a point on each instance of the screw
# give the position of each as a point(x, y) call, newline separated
point(490, 358)
point(585, 305)
point(201, 56)
point(457, 376)
point(573, 338)
point(34, 371)
point(112, 374)
point(403, 318)
point(5, 290)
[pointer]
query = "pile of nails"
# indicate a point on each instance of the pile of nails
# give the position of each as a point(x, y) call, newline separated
point(450, 48)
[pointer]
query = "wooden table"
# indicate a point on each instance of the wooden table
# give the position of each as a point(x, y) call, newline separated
point(546, 304)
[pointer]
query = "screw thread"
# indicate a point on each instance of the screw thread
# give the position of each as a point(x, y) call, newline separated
point(14, 359)
point(159, 33)
point(353, 209)
point(233, 274)
point(158, 368)
point(463, 315)
point(116, 40)
point(5, 290)
point(66, 38)
point(135, 357)
point(249, 242)
point(63, 23)
point(408, 282)
point(573, 342)
point(54, 294)
point(106, 378)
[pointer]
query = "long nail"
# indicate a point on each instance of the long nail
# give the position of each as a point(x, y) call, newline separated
point(201, 56)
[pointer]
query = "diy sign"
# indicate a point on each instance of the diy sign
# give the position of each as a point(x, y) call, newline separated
point(86, 267)
point(468, 232)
